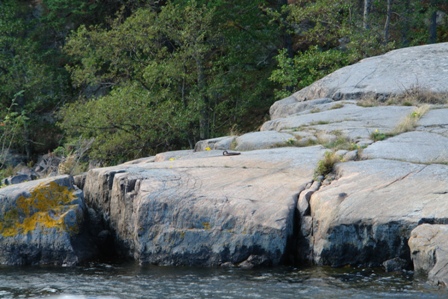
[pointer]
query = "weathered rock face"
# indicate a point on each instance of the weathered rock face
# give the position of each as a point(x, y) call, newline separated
point(429, 249)
point(355, 122)
point(416, 147)
point(396, 72)
point(367, 214)
point(205, 211)
point(41, 223)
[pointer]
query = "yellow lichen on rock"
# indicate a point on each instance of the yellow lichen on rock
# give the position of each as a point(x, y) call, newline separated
point(46, 207)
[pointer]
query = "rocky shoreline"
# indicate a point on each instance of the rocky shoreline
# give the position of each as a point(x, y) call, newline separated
point(381, 202)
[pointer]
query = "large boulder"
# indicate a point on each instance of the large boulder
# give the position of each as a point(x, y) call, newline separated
point(396, 72)
point(41, 223)
point(365, 211)
point(429, 251)
point(215, 210)
point(367, 214)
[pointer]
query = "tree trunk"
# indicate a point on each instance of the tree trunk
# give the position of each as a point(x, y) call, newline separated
point(286, 37)
point(433, 23)
point(204, 120)
point(366, 14)
point(387, 24)
point(406, 23)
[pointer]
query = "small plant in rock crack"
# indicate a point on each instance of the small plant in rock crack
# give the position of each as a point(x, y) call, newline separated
point(410, 121)
point(291, 141)
point(377, 135)
point(326, 165)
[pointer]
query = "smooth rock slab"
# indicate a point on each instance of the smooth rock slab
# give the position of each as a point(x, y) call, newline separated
point(353, 121)
point(262, 140)
point(367, 214)
point(396, 72)
point(206, 211)
point(435, 121)
point(429, 249)
point(416, 147)
point(284, 107)
point(221, 143)
point(40, 223)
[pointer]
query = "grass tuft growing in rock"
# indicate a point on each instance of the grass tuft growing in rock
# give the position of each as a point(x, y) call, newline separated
point(326, 165)
point(407, 124)
point(337, 106)
point(410, 121)
point(377, 135)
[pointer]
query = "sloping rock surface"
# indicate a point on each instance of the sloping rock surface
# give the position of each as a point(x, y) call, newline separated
point(205, 211)
point(417, 147)
point(353, 121)
point(396, 72)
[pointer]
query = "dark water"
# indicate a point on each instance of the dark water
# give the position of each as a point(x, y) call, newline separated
point(103, 281)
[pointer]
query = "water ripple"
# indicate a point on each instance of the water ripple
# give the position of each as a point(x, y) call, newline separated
point(129, 281)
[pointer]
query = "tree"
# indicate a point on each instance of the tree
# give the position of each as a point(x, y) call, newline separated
point(366, 14)
point(387, 24)
point(192, 64)
point(329, 34)
point(29, 77)
point(33, 81)
point(316, 27)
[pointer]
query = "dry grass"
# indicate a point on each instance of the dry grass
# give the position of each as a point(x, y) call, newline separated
point(337, 106)
point(414, 96)
point(234, 131)
point(410, 121)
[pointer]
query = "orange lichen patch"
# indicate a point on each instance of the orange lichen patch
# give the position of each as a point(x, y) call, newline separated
point(46, 207)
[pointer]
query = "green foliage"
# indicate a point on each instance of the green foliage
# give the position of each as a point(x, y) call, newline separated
point(186, 71)
point(379, 136)
point(341, 143)
point(128, 123)
point(305, 68)
point(146, 76)
point(28, 76)
point(329, 34)
point(12, 126)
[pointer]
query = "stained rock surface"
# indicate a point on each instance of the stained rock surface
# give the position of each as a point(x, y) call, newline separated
point(41, 223)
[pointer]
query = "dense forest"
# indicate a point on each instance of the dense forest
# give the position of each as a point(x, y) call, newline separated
point(114, 80)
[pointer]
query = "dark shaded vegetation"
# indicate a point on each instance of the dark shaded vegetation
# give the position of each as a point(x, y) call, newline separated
point(139, 77)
